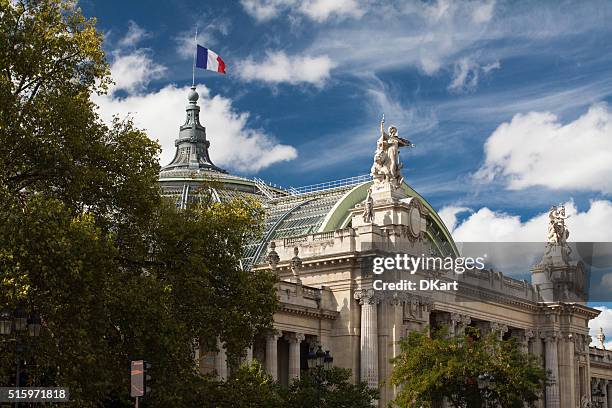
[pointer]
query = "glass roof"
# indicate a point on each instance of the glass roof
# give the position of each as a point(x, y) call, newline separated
point(292, 215)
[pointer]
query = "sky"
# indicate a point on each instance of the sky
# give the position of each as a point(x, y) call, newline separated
point(507, 102)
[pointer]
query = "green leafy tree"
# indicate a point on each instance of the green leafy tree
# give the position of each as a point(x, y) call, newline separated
point(86, 240)
point(429, 370)
point(329, 389)
point(249, 387)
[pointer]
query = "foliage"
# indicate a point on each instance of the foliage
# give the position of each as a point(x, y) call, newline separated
point(430, 369)
point(115, 271)
point(249, 387)
point(337, 391)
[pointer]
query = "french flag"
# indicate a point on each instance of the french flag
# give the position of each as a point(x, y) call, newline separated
point(209, 60)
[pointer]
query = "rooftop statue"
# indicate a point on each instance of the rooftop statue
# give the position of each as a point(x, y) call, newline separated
point(557, 231)
point(387, 167)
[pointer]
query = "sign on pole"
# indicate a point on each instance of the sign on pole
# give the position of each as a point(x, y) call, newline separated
point(137, 378)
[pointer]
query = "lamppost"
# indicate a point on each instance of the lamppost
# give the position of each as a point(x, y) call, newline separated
point(597, 397)
point(318, 362)
point(485, 386)
point(16, 323)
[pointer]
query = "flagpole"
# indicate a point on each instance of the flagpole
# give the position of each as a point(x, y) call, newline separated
point(195, 51)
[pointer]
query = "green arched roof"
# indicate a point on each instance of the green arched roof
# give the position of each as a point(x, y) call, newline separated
point(328, 210)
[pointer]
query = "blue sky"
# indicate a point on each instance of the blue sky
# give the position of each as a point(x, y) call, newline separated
point(506, 101)
point(447, 73)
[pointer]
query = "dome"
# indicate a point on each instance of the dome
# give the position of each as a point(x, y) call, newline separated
point(288, 212)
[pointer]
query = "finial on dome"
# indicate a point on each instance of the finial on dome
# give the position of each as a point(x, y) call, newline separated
point(193, 95)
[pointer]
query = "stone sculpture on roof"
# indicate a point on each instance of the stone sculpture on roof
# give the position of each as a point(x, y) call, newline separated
point(387, 167)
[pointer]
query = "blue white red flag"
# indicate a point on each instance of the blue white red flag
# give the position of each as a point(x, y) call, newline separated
point(209, 60)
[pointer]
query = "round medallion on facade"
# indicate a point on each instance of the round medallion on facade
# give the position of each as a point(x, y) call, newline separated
point(415, 221)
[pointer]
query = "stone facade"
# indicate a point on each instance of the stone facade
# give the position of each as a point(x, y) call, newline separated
point(361, 326)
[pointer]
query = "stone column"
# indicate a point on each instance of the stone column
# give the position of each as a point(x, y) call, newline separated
point(567, 369)
point(527, 340)
point(272, 355)
point(609, 394)
point(369, 336)
point(221, 361)
point(294, 340)
point(458, 323)
point(248, 359)
point(498, 328)
point(552, 365)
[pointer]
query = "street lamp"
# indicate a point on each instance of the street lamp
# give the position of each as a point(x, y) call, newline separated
point(319, 361)
point(16, 322)
point(597, 397)
point(485, 386)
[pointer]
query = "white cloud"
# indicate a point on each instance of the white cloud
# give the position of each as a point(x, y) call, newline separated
point(234, 144)
point(426, 35)
point(606, 281)
point(490, 67)
point(134, 35)
point(486, 225)
point(321, 10)
point(208, 32)
point(480, 232)
point(483, 12)
point(466, 74)
point(604, 321)
point(535, 149)
point(132, 72)
point(317, 10)
point(277, 67)
point(449, 215)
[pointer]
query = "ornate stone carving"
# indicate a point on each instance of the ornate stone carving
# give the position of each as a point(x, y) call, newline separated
point(296, 263)
point(367, 296)
point(498, 328)
point(294, 337)
point(551, 337)
point(272, 258)
point(387, 167)
point(557, 231)
point(601, 338)
point(368, 211)
point(459, 322)
point(557, 234)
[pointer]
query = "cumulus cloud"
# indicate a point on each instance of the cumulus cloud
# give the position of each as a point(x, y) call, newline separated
point(481, 231)
point(536, 149)
point(278, 67)
point(317, 10)
point(133, 71)
point(604, 321)
point(234, 144)
point(486, 225)
point(449, 215)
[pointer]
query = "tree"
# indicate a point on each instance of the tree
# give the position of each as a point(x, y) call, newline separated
point(249, 387)
point(336, 391)
point(115, 271)
point(432, 369)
